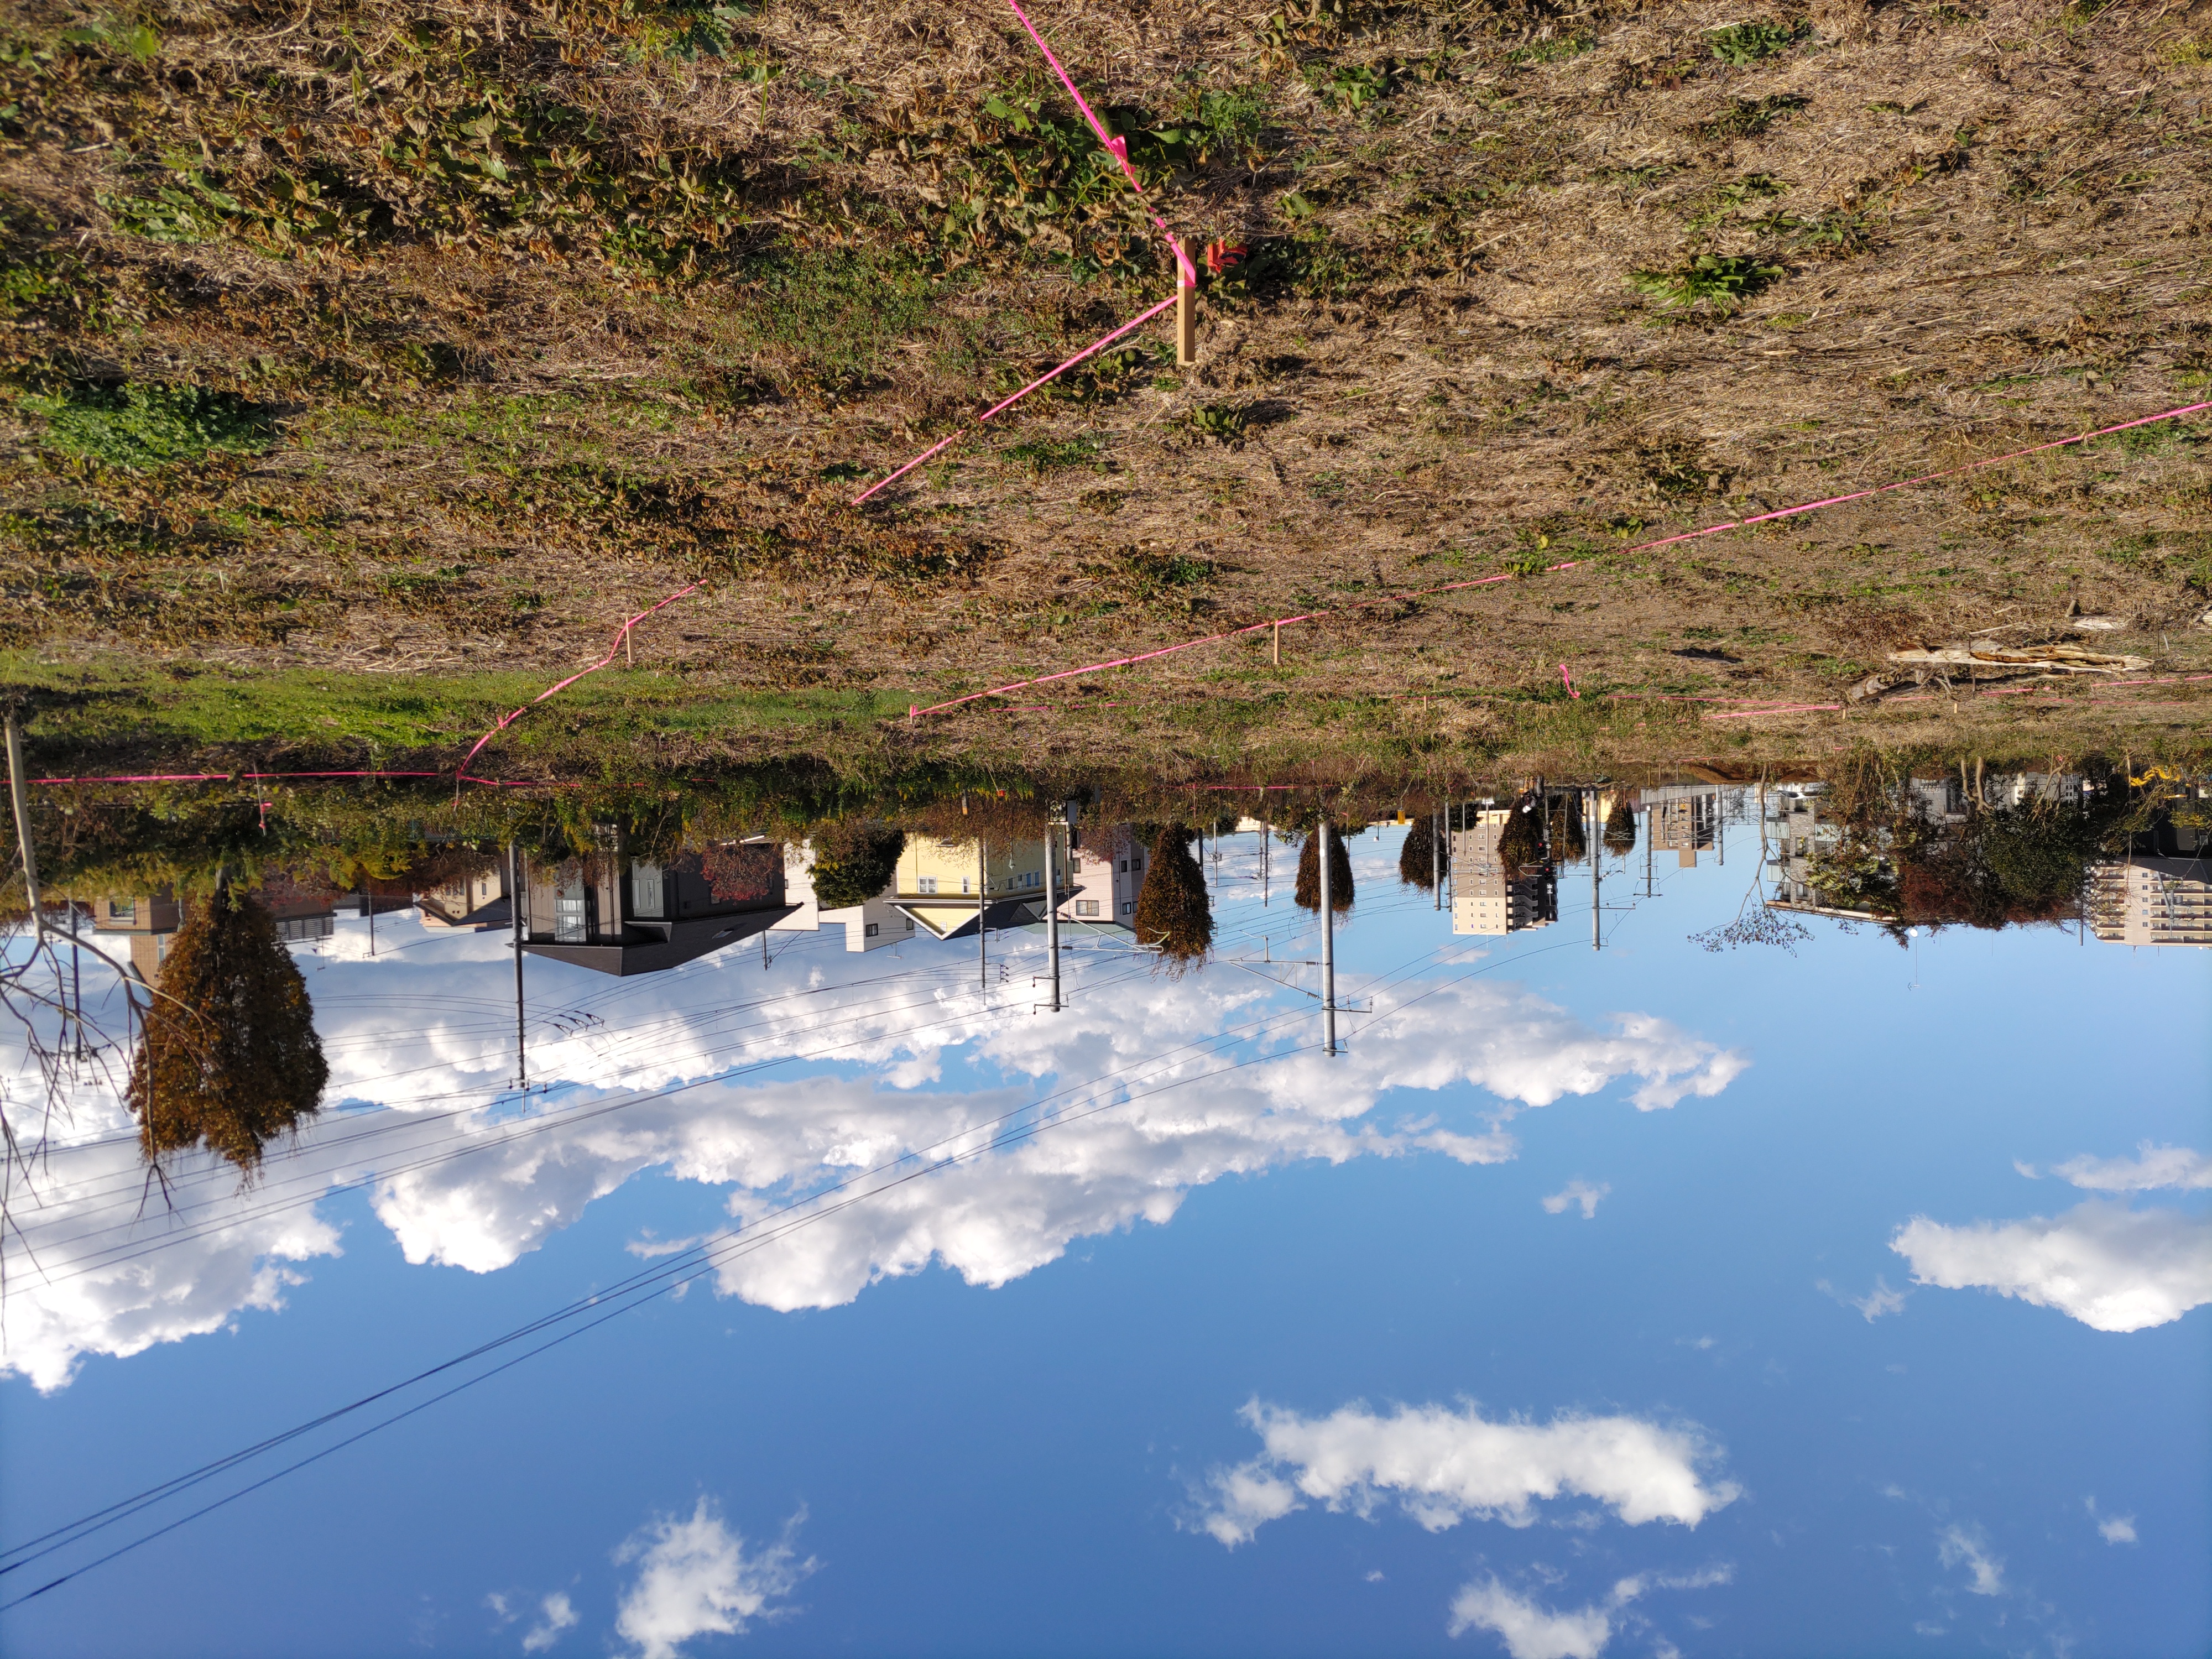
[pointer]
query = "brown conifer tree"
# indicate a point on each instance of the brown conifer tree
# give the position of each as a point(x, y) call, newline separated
point(229, 1059)
point(1173, 914)
point(1307, 892)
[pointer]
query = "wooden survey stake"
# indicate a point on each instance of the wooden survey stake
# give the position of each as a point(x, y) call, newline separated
point(1186, 324)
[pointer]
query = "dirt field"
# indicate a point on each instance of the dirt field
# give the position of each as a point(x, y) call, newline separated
point(377, 340)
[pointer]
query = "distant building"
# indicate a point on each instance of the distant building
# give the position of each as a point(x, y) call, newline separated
point(2152, 901)
point(149, 921)
point(1684, 820)
point(1487, 898)
point(1109, 873)
point(477, 902)
point(618, 914)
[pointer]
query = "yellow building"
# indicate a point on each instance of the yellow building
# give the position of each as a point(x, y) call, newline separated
point(945, 886)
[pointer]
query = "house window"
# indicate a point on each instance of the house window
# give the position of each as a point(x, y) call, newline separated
point(963, 883)
point(928, 884)
point(872, 930)
point(123, 909)
point(1125, 866)
point(645, 891)
point(1086, 906)
point(569, 925)
point(1127, 905)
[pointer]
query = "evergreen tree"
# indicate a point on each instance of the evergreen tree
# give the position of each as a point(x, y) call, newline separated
point(1307, 892)
point(1620, 827)
point(230, 1060)
point(1417, 858)
point(1174, 913)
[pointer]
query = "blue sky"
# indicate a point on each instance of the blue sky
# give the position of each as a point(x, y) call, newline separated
point(1293, 1358)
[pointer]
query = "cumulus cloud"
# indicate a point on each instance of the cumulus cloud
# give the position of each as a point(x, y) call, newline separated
point(1533, 1632)
point(1442, 1467)
point(1528, 1631)
point(2151, 1168)
point(1577, 1192)
point(696, 1577)
point(2112, 1528)
point(480, 1189)
point(1960, 1546)
point(2112, 1269)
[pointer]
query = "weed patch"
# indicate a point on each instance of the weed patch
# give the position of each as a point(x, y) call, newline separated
point(140, 426)
point(1719, 281)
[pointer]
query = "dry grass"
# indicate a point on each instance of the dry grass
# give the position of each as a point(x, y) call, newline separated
point(1481, 322)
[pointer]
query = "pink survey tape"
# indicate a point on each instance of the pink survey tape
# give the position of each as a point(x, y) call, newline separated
point(621, 634)
point(1187, 273)
point(915, 711)
point(1092, 349)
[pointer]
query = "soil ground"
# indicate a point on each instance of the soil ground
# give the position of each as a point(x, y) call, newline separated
point(374, 342)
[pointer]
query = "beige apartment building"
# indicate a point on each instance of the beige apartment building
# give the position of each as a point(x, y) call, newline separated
point(1486, 900)
point(2152, 901)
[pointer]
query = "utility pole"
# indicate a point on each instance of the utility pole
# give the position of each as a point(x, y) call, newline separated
point(1328, 946)
point(1052, 909)
point(1266, 833)
point(22, 804)
point(516, 903)
point(368, 907)
point(1596, 856)
point(1650, 828)
point(1437, 857)
point(983, 882)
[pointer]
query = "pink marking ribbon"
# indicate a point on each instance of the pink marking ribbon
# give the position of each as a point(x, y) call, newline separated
point(1569, 679)
point(1094, 347)
point(1187, 273)
point(621, 634)
point(1567, 564)
point(1119, 148)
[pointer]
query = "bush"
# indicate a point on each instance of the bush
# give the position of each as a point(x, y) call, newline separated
point(1308, 893)
point(854, 861)
point(143, 427)
point(1173, 914)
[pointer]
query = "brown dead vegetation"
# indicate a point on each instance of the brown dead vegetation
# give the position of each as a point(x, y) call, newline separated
point(550, 308)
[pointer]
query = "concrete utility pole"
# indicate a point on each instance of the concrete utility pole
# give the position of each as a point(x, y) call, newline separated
point(983, 882)
point(1596, 846)
point(1052, 911)
point(515, 901)
point(1437, 858)
point(1328, 946)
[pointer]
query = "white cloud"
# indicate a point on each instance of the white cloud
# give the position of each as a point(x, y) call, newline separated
point(1874, 1305)
point(2153, 1167)
point(478, 1191)
point(1577, 1192)
point(2112, 1528)
point(1443, 1467)
point(1961, 1545)
point(2112, 1269)
point(696, 1577)
point(555, 1614)
point(1530, 1631)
